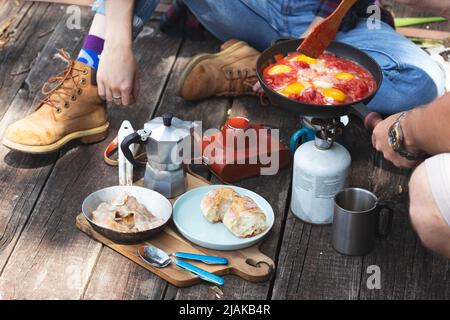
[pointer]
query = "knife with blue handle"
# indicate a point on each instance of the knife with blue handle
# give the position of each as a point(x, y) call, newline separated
point(203, 274)
point(201, 258)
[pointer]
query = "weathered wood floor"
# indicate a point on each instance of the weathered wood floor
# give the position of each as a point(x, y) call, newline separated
point(43, 255)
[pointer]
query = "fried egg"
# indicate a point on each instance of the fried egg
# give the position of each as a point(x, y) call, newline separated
point(279, 69)
point(344, 76)
point(334, 94)
point(293, 88)
point(306, 59)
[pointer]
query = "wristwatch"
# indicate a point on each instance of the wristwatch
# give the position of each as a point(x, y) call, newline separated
point(396, 141)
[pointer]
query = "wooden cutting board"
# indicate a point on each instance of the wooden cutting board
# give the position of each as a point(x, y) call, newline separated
point(249, 264)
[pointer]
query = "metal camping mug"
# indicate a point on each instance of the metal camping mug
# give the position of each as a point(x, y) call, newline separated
point(359, 217)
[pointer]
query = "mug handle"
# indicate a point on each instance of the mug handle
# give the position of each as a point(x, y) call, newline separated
point(385, 218)
point(299, 134)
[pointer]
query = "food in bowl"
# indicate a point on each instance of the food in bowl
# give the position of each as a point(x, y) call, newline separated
point(241, 215)
point(125, 214)
point(327, 80)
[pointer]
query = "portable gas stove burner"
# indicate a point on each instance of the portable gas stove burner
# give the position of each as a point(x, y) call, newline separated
point(328, 128)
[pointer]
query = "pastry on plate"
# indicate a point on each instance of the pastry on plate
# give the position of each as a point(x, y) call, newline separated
point(241, 215)
point(216, 203)
point(244, 218)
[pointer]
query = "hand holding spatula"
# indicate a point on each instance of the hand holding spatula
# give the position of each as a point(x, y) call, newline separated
point(325, 32)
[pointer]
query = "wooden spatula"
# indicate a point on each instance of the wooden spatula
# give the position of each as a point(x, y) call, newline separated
point(325, 32)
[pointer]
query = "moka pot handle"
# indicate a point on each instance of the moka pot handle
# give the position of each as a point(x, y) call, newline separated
point(140, 137)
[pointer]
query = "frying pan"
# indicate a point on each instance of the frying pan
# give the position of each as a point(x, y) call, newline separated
point(284, 46)
point(152, 200)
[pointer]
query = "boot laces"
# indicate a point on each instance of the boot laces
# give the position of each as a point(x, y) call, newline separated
point(241, 82)
point(55, 85)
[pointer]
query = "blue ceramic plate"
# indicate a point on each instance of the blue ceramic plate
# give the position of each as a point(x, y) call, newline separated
point(191, 223)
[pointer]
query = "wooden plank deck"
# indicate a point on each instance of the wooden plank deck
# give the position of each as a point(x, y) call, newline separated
point(43, 255)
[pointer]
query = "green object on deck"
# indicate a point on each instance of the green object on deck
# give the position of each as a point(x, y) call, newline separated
point(407, 22)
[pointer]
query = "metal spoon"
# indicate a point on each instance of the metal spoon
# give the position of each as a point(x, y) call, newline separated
point(160, 259)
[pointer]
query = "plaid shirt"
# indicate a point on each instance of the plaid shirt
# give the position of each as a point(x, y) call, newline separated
point(359, 10)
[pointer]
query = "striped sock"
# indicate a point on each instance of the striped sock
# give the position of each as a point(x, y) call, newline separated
point(91, 51)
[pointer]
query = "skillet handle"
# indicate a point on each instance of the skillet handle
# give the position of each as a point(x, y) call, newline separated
point(371, 119)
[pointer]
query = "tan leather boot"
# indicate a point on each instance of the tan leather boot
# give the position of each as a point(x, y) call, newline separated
point(230, 72)
point(71, 110)
point(231, 42)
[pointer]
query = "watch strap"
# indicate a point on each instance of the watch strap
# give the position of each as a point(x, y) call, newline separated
point(396, 141)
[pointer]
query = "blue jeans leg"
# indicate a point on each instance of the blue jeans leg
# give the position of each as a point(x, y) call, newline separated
point(143, 10)
point(233, 19)
point(411, 77)
point(257, 22)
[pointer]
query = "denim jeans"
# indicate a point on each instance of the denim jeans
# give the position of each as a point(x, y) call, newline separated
point(143, 10)
point(411, 77)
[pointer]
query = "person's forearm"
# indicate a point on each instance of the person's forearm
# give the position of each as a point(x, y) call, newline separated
point(428, 128)
point(119, 15)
